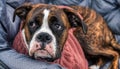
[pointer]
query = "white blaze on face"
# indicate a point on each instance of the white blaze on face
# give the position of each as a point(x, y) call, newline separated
point(44, 28)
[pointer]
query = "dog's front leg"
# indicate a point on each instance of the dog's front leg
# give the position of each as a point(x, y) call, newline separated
point(107, 53)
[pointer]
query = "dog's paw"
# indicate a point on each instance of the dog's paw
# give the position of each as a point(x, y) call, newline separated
point(94, 67)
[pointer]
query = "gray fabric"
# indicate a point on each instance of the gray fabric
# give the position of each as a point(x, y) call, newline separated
point(15, 3)
point(3, 66)
point(71, 2)
point(109, 9)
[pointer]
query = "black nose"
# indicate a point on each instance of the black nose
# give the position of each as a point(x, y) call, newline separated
point(44, 37)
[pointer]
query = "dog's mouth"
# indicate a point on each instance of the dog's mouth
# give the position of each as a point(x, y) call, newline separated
point(38, 52)
point(42, 54)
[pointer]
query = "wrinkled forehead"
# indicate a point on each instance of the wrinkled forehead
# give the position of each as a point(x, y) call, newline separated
point(41, 11)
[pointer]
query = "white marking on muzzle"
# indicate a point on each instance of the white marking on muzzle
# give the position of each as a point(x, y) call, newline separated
point(44, 28)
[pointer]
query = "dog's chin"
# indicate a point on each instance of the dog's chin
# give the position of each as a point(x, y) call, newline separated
point(44, 55)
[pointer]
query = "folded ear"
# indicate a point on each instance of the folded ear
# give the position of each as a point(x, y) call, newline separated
point(74, 18)
point(22, 11)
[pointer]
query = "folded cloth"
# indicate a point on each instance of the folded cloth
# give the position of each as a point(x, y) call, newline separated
point(72, 55)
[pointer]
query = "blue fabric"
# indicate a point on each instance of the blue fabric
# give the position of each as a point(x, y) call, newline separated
point(109, 9)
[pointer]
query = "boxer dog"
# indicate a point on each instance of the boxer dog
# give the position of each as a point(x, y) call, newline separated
point(45, 30)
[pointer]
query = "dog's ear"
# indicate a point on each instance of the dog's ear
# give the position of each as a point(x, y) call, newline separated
point(22, 11)
point(74, 18)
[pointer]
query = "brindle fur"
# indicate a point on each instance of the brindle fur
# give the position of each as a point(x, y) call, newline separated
point(99, 39)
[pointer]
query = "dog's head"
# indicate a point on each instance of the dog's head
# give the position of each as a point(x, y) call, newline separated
point(45, 28)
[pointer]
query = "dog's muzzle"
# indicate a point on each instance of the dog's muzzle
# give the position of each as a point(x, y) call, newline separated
point(44, 39)
point(42, 46)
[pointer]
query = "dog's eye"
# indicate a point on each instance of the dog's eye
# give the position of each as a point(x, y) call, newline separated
point(32, 24)
point(54, 21)
point(58, 26)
